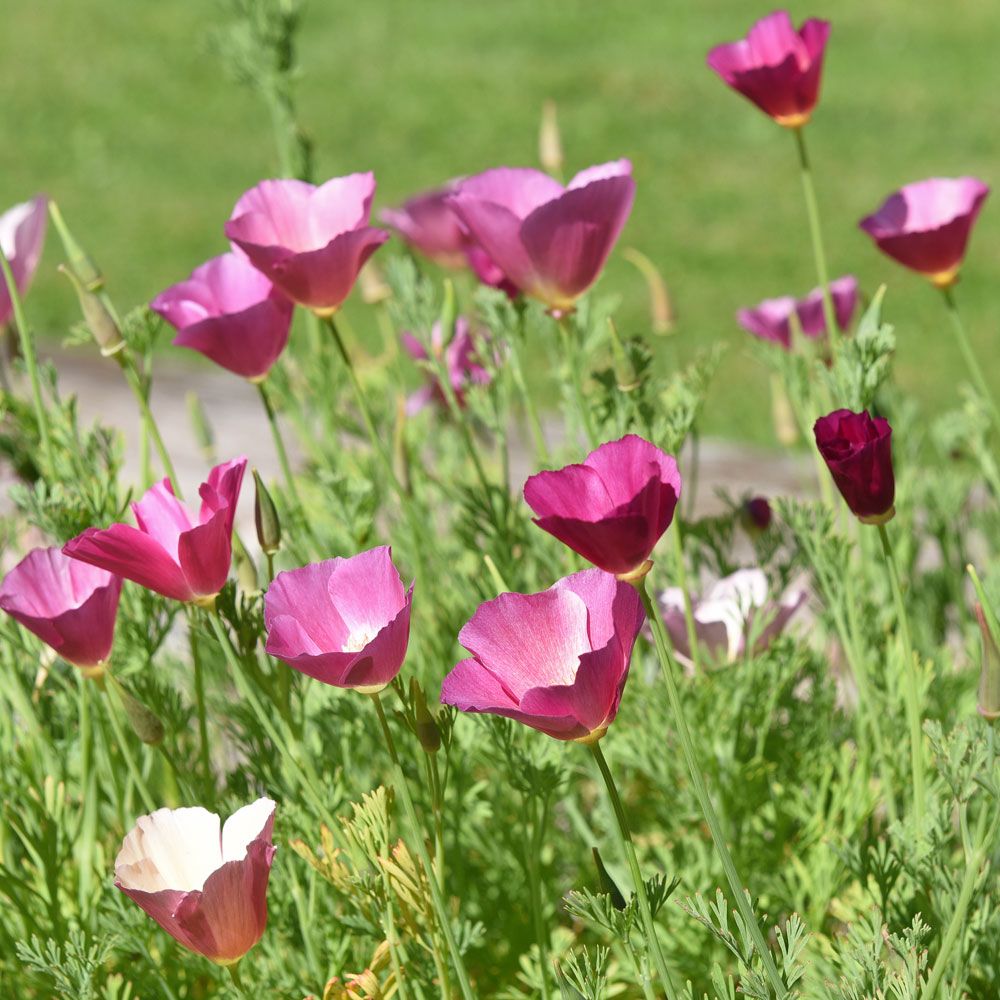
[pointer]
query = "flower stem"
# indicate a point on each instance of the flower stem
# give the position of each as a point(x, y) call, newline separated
point(682, 582)
point(910, 686)
point(30, 362)
point(541, 448)
point(816, 235)
point(123, 745)
point(234, 975)
point(534, 831)
point(628, 849)
point(701, 791)
point(576, 383)
point(970, 358)
point(279, 446)
point(411, 815)
point(199, 694)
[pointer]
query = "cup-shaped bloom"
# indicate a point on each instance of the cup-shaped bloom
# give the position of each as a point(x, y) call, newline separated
point(176, 552)
point(69, 605)
point(310, 241)
point(461, 357)
point(736, 614)
point(772, 318)
point(228, 311)
point(202, 881)
point(22, 236)
point(926, 226)
point(857, 449)
point(776, 67)
point(613, 508)
point(549, 241)
point(556, 661)
point(427, 223)
point(345, 622)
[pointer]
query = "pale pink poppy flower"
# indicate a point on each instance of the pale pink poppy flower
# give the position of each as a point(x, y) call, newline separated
point(22, 236)
point(427, 223)
point(771, 319)
point(461, 357)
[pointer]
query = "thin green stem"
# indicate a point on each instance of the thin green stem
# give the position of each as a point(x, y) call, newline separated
point(279, 446)
point(816, 235)
point(123, 745)
point(30, 362)
point(972, 363)
point(576, 382)
point(534, 830)
point(910, 681)
point(682, 582)
point(199, 694)
point(437, 899)
point(234, 975)
point(535, 425)
point(701, 791)
point(628, 849)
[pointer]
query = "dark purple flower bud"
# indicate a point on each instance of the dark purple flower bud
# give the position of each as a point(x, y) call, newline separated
point(755, 515)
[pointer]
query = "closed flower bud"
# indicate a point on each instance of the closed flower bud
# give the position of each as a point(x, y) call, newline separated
point(265, 517)
point(608, 885)
point(144, 721)
point(427, 728)
point(82, 266)
point(550, 151)
point(989, 676)
point(755, 515)
point(96, 315)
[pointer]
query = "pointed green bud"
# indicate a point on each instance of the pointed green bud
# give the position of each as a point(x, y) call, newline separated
point(989, 671)
point(202, 428)
point(246, 571)
point(96, 315)
point(265, 516)
point(427, 728)
point(82, 265)
point(144, 721)
point(608, 883)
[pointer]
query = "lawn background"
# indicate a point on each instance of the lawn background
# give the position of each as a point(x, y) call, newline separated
point(120, 109)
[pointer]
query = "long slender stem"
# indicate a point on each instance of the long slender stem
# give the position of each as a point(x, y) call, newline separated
point(514, 346)
point(628, 849)
point(910, 681)
point(534, 830)
point(575, 380)
point(279, 445)
point(972, 363)
point(816, 235)
point(199, 694)
point(30, 362)
point(126, 751)
point(682, 582)
point(437, 899)
point(701, 791)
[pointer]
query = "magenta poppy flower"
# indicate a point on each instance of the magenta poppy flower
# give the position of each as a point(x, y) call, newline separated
point(69, 605)
point(771, 320)
point(857, 450)
point(614, 507)
point(310, 241)
point(776, 67)
point(22, 236)
point(427, 223)
point(461, 357)
point(556, 661)
point(345, 622)
point(736, 611)
point(926, 226)
point(228, 311)
point(550, 242)
point(202, 881)
point(176, 552)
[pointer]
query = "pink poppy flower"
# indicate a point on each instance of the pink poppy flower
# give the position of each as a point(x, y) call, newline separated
point(857, 450)
point(556, 661)
point(310, 241)
point(69, 605)
point(203, 882)
point(427, 223)
point(345, 622)
point(22, 236)
point(926, 226)
point(771, 320)
point(736, 610)
point(776, 67)
point(228, 311)
point(176, 552)
point(461, 357)
point(614, 507)
point(550, 242)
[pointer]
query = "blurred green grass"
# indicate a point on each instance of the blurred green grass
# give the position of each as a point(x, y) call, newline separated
point(121, 110)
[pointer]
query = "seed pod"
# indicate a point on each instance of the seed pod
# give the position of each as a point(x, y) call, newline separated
point(96, 315)
point(427, 728)
point(265, 517)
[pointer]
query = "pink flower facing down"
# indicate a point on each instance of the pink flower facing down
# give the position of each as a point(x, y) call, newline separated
point(926, 226)
point(310, 241)
point(461, 358)
point(428, 224)
point(857, 450)
point(776, 67)
point(203, 882)
point(614, 507)
point(556, 661)
point(549, 241)
point(177, 553)
point(735, 612)
point(771, 320)
point(345, 622)
point(69, 605)
point(22, 236)
point(228, 311)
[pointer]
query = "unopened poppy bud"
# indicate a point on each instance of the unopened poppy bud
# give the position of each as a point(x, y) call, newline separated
point(755, 515)
point(144, 721)
point(550, 151)
point(661, 310)
point(265, 517)
point(427, 728)
point(246, 571)
point(608, 885)
point(96, 315)
point(83, 267)
point(989, 675)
